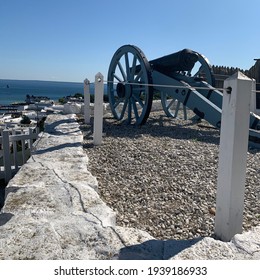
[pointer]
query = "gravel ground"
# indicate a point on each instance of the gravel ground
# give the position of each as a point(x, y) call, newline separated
point(162, 177)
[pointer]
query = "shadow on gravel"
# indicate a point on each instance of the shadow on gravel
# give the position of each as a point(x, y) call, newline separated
point(156, 249)
point(163, 127)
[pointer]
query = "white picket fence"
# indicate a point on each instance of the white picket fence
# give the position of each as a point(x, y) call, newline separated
point(16, 146)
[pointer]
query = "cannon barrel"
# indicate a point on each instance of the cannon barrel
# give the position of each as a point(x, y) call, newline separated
point(180, 61)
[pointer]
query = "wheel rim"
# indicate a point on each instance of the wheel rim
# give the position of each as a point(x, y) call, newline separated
point(204, 70)
point(129, 85)
point(201, 70)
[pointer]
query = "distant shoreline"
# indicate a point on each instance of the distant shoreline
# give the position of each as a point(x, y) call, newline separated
point(12, 91)
point(40, 81)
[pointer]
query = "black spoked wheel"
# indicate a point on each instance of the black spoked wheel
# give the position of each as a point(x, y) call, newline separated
point(202, 70)
point(130, 90)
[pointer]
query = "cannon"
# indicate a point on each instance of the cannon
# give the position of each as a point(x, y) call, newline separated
point(185, 76)
point(132, 80)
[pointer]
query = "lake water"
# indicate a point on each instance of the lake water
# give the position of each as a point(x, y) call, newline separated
point(16, 90)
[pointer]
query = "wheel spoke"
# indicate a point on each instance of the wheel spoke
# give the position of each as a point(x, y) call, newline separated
point(170, 104)
point(116, 103)
point(135, 109)
point(129, 110)
point(117, 78)
point(139, 75)
point(122, 70)
point(177, 109)
point(127, 66)
point(134, 67)
point(123, 109)
point(198, 72)
point(139, 100)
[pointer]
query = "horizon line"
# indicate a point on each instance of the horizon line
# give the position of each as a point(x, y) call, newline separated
point(37, 80)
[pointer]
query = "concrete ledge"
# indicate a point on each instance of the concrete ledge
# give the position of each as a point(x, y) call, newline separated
point(52, 208)
point(244, 246)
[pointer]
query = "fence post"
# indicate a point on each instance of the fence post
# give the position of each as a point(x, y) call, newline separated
point(31, 139)
point(14, 143)
point(233, 156)
point(98, 109)
point(253, 99)
point(86, 101)
point(7, 156)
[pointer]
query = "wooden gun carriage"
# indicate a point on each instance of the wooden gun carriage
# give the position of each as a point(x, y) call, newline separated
point(185, 76)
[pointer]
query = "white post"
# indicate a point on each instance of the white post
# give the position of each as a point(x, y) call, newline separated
point(98, 109)
point(86, 101)
point(232, 156)
point(23, 151)
point(15, 152)
point(7, 155)
point(31, 139)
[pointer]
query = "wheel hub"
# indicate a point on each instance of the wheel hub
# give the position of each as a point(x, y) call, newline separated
point(124, 90)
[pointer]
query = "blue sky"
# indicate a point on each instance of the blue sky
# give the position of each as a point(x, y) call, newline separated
point(70, 40)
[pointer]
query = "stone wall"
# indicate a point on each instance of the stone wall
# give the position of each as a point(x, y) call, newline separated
point(52, 208)
point(53, 211)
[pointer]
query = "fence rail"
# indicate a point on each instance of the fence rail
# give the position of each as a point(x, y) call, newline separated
point(16, 146)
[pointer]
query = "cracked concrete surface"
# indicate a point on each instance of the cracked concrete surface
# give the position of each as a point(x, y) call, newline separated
point(53, 211)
